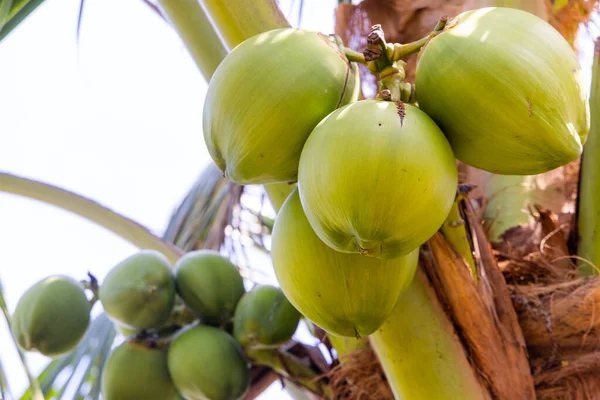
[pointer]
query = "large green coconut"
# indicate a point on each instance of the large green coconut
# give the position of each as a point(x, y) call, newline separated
point(210, 285)
point(52, 316)
point(264, 318)
point(206, 363)
point(139, 293)
point(345, 294)
point(266, 97)
point(377, 178)
point(133, 371)
point(507, 90)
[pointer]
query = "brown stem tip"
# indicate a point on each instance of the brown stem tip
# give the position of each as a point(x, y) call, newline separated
point(376, 37)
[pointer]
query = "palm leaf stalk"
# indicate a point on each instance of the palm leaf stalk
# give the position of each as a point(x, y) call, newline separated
point(193, 26)
point(589, 204)
point(4, 388)
point(18, 11)
point(93, 348)
point(88, 209)
point(240, 20)
point(420, 352)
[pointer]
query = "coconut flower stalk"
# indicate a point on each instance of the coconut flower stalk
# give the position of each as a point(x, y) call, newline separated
point(193, 26)
point(589, 204)
point(242, 19)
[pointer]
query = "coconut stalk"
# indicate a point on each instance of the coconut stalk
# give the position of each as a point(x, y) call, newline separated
point(236, 21)
point(420, 351)
point(193, 26)
point(589, 192)
point(278, 192)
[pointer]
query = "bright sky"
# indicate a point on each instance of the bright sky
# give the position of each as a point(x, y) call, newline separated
point(116, 119)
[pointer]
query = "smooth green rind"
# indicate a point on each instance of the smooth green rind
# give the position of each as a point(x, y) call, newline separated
point(506, 89)
point(139, 292)
point(421, 355)
point(345, 294)
point(135, 372)
point(266, 97)
point(264, 317)
point(206, 363)
point(377, 178)
point(210, 285)
point(52, 316)
point(589, 203)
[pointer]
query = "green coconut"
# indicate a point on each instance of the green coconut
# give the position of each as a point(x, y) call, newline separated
point(345, 294)
point(139, 293)
point(52, 316)
point(507, 90)
point(206, 363)
point(377, 178)
point(266, 97)
point(133, 371)
point(264, 318)
point(210, 285)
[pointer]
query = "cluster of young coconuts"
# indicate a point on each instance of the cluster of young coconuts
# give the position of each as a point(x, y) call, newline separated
point(188, 328)
point(497, 88)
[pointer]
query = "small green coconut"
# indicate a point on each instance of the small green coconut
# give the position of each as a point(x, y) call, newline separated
point(264, 317)
point(52, 316)
point(139, 293)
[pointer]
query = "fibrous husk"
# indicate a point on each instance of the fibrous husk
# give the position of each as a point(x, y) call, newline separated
point(359, 377)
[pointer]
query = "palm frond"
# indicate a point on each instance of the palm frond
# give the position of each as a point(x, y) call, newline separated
point(19, 10)
point(5, 6)
point(83, 365)
point(200, 220)
point(4, 388)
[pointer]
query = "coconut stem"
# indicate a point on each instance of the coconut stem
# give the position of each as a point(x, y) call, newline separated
point(129, 230)
point(589, 192)
point(93, 286)
point(196, 32)
point(354, 56)
point(404, 50)
point(278, 193)
point(345, 345)
point(420, 352)
point(239, 20)
point(289, 367)
point(456, 234)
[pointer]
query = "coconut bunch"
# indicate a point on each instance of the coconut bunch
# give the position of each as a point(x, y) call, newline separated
point(377, 178)
point(201, 349)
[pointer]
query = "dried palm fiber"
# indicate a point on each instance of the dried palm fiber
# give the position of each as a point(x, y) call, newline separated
point(359, 377)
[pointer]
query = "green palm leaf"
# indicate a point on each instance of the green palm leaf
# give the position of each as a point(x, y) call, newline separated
point(13, 12)
point(93, 350)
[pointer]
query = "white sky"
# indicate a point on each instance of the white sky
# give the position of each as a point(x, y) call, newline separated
point(117, 119)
